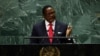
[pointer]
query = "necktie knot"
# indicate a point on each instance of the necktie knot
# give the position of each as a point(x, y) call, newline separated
point(50, 24)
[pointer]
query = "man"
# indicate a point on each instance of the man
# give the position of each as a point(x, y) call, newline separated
point(49, 27)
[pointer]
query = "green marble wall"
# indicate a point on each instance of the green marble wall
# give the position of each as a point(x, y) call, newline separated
point(18, 16)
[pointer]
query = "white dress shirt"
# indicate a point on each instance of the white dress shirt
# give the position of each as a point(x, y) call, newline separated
point(47, 25)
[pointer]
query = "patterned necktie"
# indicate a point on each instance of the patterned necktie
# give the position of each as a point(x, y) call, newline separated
point(50, 33)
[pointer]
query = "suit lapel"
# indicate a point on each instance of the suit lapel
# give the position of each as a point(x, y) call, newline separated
point(56, 28)
point(44, 29)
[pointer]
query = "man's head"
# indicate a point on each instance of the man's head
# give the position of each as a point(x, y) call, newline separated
point(49, 13)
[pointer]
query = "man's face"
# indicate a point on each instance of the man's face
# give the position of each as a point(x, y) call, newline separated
point(49, 14)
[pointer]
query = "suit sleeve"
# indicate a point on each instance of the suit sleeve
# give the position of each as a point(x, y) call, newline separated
point(34, 32)
point(33, 40)
point(65, 28)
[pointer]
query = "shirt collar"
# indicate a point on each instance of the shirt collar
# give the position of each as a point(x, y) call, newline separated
point(47, 23)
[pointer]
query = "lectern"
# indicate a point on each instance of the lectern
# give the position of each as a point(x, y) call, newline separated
point(69, 48)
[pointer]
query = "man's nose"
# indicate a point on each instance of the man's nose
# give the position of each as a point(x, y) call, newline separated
point(52, 15)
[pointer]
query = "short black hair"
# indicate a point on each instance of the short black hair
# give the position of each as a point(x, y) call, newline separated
point(45, 7)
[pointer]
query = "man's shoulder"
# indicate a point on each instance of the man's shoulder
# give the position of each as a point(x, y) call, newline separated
point(61, 23)
point(39, 23)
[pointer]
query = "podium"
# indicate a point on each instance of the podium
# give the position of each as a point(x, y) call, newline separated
point(22, 47)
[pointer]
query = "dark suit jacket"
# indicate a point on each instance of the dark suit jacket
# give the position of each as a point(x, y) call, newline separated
point(40, 30)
